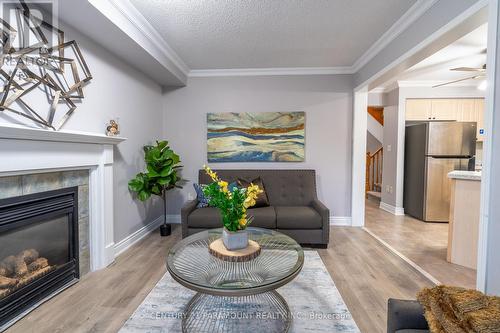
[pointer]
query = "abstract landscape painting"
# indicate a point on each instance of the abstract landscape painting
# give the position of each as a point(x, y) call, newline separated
point(255, 137)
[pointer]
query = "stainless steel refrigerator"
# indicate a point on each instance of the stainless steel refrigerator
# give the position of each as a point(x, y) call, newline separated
point(432, 150)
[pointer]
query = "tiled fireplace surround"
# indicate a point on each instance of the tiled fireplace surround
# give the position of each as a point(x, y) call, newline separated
point(12, 186)
point(35, 160)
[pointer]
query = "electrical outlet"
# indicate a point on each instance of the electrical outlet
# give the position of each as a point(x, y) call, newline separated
point(390, 189)
point(387, 188)
point(389, 148)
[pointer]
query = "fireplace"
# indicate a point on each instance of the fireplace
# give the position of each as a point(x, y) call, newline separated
point(38, 248)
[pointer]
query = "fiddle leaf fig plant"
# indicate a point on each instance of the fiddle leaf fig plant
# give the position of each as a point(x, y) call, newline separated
point(162, 164)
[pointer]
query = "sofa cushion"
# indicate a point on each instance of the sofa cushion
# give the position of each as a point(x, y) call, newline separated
point(203, 201)
point(283, 187)
point(264, 217)
point(262, 200)
point(297, 217)
point(208, 217)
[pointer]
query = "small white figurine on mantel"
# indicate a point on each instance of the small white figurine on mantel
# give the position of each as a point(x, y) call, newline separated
point(112, 129)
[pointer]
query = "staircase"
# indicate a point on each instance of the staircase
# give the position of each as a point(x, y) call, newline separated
point(377, 113)
point(374, 162)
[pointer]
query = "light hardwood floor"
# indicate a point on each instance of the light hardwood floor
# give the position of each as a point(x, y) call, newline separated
point(423, 243)
point(365, 272)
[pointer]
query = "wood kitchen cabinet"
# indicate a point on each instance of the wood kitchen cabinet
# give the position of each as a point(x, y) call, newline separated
point(453, 109)
point(444, 109)
point(479, 111)
point(418, 109)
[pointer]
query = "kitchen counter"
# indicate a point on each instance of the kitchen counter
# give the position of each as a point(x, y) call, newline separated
point(463, 229)
point(465, 175)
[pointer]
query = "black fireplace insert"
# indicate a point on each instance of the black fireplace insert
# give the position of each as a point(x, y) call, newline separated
point(38, 249)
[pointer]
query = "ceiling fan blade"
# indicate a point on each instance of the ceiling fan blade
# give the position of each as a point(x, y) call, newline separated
point(468, 69)
point(459, 80)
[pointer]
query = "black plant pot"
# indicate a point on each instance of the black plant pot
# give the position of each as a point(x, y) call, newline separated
point(165, 230)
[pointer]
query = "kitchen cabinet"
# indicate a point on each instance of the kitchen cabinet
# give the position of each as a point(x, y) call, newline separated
point(463, 228)
point(453, 109)
point(467, 110)
point(479, 111)
point(444, 109)
point(418, 109)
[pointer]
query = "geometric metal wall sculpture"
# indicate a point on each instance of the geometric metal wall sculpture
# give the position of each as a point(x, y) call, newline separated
point(42, 76)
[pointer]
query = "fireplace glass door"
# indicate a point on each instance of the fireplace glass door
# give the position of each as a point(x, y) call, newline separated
point(38, 248)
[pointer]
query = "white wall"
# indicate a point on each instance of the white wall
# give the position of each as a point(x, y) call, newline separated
point(375, 128)
point(376, 99)
point(372, 144)
point(326, 99)
point(389, 170)
point(491, 212)
point(117, 90)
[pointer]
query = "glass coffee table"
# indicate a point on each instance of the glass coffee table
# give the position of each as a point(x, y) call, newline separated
point(236, 296)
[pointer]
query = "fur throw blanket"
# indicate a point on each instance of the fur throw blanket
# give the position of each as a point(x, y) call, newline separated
point(459, 310)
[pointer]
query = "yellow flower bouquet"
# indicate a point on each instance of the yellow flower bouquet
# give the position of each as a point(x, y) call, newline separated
point(232, 202)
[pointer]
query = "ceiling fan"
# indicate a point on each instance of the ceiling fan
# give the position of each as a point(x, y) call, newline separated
point(480, 72)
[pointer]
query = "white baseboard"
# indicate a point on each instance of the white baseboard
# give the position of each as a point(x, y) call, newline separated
point(341, 220)
point(392, 209)
point(130, 240)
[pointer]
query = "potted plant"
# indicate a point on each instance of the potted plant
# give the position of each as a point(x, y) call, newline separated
point(162, 165)
point(232, 203)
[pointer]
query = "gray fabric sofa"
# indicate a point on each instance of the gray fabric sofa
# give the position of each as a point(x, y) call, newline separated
point(405, 317)
point(294, 206)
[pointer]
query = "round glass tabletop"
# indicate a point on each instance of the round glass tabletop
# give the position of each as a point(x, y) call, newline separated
point(190, 263)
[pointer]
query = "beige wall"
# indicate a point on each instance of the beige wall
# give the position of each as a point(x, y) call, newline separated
point(118, 91)
point(326, 99)
point(372, 144)
point(391, 142)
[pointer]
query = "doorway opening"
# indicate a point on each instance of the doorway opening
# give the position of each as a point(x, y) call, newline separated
point(421, 93)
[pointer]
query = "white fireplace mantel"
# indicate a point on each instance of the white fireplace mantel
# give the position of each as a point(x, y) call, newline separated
point(25, 150)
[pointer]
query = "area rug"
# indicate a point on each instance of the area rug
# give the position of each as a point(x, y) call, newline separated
point(314, 301)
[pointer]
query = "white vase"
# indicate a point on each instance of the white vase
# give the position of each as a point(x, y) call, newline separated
point(234, 240)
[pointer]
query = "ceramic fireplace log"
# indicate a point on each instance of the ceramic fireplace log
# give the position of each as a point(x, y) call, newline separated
point(6, 282)
point(35, 275)
point(38, 264)
point(29, 255)
point(17, 266)
point(7, 267)
point(4, 271)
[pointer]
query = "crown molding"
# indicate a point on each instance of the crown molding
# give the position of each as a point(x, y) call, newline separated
point(410, 16)
point(144, 28)
point(270, 71)
point(135, 19)
point(379, 90)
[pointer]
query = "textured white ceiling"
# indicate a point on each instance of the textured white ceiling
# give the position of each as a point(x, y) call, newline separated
point(468, 51)
point(227, 34)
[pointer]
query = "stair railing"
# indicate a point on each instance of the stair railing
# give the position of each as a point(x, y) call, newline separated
point(374, 170)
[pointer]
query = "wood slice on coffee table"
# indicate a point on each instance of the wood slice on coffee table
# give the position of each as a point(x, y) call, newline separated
point(218, 249)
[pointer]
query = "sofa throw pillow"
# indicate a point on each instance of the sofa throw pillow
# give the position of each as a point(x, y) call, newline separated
point(203, 201)
point(262, 200)
point(232, 185)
